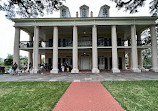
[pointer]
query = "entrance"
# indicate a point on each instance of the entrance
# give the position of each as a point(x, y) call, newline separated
point(120, 63)
point(101, 62)
point(85, 62)
point(106, 63)
point(49, 63)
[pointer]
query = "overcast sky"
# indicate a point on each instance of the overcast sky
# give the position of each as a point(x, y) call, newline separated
point(7, 30)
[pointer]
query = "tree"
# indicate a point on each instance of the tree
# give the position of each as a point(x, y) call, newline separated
point(133, 5)
point(9, 60)
point(1, 61)
point(29, 8)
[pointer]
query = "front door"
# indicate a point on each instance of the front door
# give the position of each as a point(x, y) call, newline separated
point(120, 63)
point(85, 62)
point(106, 63)
point(101, 63)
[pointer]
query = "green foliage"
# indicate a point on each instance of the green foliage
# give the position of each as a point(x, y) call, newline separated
point(133, 5)
point(147, 59)
point(1, 61)
point(30, 96)
point(134, 95)
point(23, 60)
point(8, 62)
point(29, 8)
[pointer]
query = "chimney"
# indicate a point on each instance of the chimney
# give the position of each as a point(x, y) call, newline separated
point(77, 14)
point(91, 14)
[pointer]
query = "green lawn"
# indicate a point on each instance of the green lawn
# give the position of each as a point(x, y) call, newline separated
point(42, 96)
point(30, 96)
point(135, 95)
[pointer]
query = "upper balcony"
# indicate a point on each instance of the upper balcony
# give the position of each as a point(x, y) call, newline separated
point(81, 43)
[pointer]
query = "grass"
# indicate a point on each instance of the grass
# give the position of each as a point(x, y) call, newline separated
point(30, 96)
point(134, 95)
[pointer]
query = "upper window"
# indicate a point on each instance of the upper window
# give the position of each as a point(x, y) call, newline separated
point(63, 12)
point(105, 12)
point(84, 12)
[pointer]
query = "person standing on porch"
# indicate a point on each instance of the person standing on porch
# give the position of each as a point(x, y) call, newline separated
point(62, 67)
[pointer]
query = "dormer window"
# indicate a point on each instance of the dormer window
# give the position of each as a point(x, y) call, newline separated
point(63, 11)
point(84, 11)
point(105, 12)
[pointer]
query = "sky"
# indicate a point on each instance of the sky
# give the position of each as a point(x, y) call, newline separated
point(7, 30)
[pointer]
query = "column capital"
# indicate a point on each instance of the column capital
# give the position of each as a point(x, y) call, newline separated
point(17, 27)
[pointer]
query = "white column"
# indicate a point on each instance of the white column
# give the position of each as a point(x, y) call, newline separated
point(154, 49)
point(94, 50)
point(55, 51)
point(35, 50)
point(139, 51)
point(134, 50)
point(114, 50)
point(16, 57)
point(30, 53)
point(75, 51)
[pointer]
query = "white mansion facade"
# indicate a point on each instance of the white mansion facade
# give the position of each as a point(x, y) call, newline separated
point(86, 42)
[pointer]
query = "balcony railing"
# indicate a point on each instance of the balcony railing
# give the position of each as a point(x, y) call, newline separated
point(29, 44)
point(45, 44)
point(143, 43)
point(81, 43)
point(26, 44)
point(65, 43)
point(104, 42)
point(84, 43)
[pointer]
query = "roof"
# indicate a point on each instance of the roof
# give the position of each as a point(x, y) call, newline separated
point(84, 6)
point(85, 18)
point(105, 6)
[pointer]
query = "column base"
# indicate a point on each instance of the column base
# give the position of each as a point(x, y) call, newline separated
point(154, 69)
point(136, 70)
point(95, 70)
point(115, 70)
point(55, 71)
point(34, 71)
point(74, 71)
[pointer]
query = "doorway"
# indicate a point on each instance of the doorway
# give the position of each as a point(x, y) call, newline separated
point(85, 62)
point(120, 63)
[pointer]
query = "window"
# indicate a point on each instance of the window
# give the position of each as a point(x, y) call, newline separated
point(84, 12)
point(63, 12)
point(105, 12)
point(101, 60)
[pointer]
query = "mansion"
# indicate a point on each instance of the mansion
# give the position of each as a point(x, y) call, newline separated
point(85, 42)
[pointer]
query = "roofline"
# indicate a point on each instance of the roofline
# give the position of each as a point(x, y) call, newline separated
point(84, 18)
